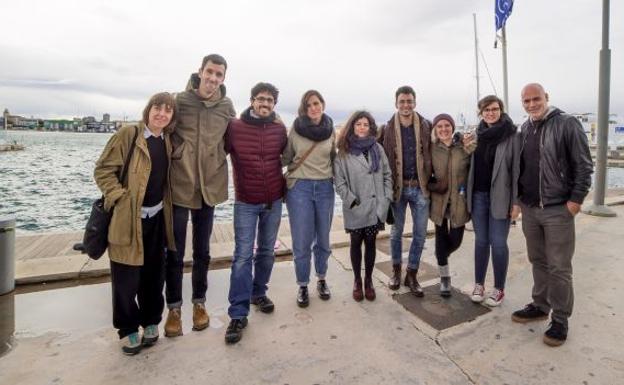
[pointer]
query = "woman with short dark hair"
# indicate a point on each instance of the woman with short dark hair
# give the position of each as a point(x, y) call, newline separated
point(364, 182)
point(141, 226)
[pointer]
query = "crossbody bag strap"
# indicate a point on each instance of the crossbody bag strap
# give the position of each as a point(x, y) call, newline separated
point(302, 159)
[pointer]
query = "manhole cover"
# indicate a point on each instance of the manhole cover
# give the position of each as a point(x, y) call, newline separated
point(441, 313)
point(426, 271)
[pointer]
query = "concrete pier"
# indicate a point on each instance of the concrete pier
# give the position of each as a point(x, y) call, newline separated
point(64, 336)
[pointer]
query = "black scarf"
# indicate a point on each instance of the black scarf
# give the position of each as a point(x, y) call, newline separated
point(367, 144)
point(317, 133)
point(247, 117)
point(488, 137)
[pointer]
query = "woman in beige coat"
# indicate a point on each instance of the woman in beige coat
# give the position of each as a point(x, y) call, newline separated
point(451, 162)
point(141, 225)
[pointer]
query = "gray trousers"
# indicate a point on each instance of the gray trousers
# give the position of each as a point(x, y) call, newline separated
point(550, 238)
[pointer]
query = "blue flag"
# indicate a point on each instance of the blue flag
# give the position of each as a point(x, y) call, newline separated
point(502, 10)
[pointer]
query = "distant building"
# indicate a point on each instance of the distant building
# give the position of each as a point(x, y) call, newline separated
point(106, 118)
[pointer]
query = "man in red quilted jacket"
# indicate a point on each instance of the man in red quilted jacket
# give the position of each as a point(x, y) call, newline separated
point(255, 143)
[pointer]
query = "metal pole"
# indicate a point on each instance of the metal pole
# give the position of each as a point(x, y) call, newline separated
point(505, 82)
point(598, 208)
point(474, 19)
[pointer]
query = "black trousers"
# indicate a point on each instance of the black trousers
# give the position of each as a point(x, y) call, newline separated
point(141, 283)
point(202, 220)
point(447, 240)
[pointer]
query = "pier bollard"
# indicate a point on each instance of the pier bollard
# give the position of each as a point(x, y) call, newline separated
point(7, 254)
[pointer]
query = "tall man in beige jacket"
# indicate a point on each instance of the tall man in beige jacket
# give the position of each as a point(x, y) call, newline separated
point(199, 181)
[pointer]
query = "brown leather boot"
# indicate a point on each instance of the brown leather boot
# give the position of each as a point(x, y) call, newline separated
point(395, 281)
point(200, 317)
point(358, 295)
point(173, 325)
point(369, 290)
point(412, 283)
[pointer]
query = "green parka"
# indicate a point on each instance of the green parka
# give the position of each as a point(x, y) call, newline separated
point(199, 171)
point(125, 237)
point(450, 167)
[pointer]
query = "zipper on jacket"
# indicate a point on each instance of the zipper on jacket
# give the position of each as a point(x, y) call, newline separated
point(266, 190)
point(541, 148)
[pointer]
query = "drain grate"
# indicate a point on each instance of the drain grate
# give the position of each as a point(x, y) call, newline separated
point(441, 313)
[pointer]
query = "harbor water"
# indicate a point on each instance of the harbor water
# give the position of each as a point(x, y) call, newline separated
point(49, 186)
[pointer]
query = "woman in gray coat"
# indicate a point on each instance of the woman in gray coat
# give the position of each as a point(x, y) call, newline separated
point(491, 195)
point(364, 182)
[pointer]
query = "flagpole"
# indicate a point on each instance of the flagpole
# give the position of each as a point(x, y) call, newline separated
point(598, 208)
point(505, 77)
point(474, 19)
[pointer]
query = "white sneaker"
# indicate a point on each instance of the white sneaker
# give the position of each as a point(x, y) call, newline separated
point(478, 294)
point(495, 298)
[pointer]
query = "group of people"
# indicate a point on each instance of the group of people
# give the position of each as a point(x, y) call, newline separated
point(176, 167)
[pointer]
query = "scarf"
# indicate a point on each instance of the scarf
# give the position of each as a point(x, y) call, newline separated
point(317, 133)
point(488, 137)
point(248, 116)
point(368, 144)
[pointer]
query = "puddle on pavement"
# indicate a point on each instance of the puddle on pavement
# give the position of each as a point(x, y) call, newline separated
point(73, 309)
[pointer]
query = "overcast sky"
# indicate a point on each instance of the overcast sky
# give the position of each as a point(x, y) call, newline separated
point(66, 58)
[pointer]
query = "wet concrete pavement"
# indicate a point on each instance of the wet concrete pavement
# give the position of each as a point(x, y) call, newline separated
point(64, 336)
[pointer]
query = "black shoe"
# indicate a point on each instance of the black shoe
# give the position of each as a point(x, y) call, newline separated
point(264, 304)
point(303, 300)
point(234, 331)
point(445, 286)
point(556, 334)
point(528, 314)
point(323, 290)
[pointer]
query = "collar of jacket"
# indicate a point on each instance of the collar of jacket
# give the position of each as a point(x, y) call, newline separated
point(193, 85)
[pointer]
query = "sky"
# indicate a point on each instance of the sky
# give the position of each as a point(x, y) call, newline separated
point(67, 58)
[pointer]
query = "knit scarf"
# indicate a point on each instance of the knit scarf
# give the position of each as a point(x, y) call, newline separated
point(315, 132)
point(367, 144)
point(491, 136)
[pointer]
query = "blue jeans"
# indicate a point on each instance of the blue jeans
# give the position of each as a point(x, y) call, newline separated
point(310, 211)
point(489, 233)
point(243, 284)
point(419, 206)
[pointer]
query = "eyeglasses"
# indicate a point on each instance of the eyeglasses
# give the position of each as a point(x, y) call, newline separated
point(407, 102)
point(262, 99)
point(495, 109)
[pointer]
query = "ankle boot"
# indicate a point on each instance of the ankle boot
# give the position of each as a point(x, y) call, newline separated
point(445, 280)
point(412, 282)
point(395, 281)
point(369, 290)
point(445, 286)
point(358, 295)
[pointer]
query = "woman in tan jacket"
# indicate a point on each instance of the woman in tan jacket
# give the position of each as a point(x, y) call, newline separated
point(141, 225)
point(451, 162)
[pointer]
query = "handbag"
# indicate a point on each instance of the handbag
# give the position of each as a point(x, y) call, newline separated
point(95, 239)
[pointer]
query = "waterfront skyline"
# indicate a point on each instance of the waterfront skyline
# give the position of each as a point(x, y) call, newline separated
point(111, 56)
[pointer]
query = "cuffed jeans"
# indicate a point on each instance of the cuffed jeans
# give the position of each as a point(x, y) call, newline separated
point(489, 233)
point(310, 211)
point(550, 239)
point(202, 220)
point(419, 206)
point(251, 271)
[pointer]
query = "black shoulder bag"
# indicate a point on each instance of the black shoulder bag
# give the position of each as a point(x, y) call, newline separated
point(95, 240)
